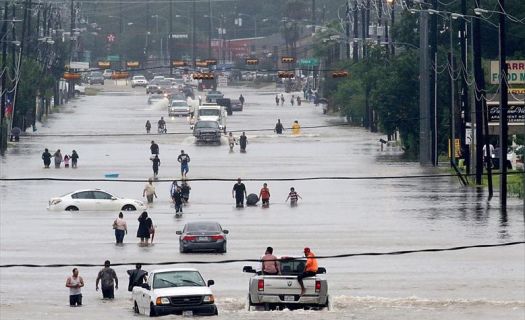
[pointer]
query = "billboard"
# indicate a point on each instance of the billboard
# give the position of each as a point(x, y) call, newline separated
point(515, 73)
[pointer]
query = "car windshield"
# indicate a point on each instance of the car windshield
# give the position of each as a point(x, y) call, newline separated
point(179, 104)
point(164, 82)
point(178, 279)
point(209, 112)
point(196, 227)
point(139, 78)
point(156, 96)
point(207, 124)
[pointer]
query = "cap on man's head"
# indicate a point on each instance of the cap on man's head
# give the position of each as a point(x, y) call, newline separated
point(306, 250)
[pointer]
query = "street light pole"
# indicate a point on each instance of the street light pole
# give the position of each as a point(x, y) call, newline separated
point(170, 38)
point(209, 29)
point(193, 43)
point(503, 105)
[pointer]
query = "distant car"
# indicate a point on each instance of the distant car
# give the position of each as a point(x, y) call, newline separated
point(156, 97)
point(153, 86)
point(80, 89)
point(202, 236)
point(180, 291)
point(95, 77)
point(93, 200)
point(212, 96)
point(107, 73)
point(139, 81)
point(178, 108)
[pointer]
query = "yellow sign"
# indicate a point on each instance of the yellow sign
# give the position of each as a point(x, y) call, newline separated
point(104, 64)
point(457, 148)
point(133, 64)
point(516, 90)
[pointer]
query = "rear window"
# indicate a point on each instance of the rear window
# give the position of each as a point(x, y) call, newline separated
point(202, 227)
point(291, 266)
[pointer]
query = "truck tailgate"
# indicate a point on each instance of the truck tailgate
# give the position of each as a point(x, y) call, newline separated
point(287, 285)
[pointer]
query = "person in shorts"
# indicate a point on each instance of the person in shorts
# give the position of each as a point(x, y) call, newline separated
point(264, 195)
point(75, 283)
point(149, 191)
point(184, 160)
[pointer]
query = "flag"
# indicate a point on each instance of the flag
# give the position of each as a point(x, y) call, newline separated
point(8, 106)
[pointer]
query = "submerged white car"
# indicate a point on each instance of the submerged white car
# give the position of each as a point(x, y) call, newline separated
point(175, 291)
point(93, 200)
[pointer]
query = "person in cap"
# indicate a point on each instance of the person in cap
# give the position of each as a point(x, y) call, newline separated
point(310, 268)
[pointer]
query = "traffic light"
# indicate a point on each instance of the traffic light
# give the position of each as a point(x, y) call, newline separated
point(285, 74)
point(178, 63)
point(203, 76)
point(339, 74)
point(287, 59)
point(252, 61)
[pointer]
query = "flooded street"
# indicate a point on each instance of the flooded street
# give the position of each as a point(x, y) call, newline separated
point(334, 217)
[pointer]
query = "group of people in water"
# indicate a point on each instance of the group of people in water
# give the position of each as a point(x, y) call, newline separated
point(58, 159)
point(239, 194)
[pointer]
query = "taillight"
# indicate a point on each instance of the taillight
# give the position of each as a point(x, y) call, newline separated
point(189, 238)
point(260, 285)
point(217, 237)
point(317, 286)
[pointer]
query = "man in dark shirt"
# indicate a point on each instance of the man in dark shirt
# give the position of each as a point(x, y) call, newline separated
point(243, 141)
point(239, 192)
point(108, 277)
point(279, 127)
point(137, 277)
point(184, 159)
point(154, 148)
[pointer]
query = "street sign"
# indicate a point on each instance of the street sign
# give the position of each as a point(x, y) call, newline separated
point(179, 36)
point(515, 113)
point(79, 65)
point(113, 58)
point(222, 81)
point(311, 62)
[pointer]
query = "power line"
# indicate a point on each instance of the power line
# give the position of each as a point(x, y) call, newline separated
point(421, 176)
point(338, 256)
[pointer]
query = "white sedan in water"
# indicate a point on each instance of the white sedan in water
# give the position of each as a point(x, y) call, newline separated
point(93, 200)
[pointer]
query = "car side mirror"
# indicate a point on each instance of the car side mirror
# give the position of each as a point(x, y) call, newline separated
point(146, 286)
point(321, 270)
point(211, 283)
point(248, 269)
point(225, 231)
point(191, 127)
point(178, 232)
point(113, 198)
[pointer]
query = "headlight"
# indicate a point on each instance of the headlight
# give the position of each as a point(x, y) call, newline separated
point(54, 202)
point(208, 299)
point(162, 300)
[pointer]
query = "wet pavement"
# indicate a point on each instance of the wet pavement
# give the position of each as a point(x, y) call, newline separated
point(334, 217)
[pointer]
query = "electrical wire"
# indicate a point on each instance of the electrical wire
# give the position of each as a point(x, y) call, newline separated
point(337, 256)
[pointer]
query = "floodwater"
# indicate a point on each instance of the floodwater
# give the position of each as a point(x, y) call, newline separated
point(334, 216)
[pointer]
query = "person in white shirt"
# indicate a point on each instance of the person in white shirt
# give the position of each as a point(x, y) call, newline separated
point(121, 228)
point(74, 283)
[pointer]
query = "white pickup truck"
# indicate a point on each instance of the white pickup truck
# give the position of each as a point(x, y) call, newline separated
point(174, 291)
point(275, 292)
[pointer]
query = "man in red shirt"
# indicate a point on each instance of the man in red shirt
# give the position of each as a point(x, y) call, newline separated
point(264, 195)
point(310, 269)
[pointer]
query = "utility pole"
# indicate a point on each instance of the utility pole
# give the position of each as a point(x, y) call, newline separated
point(392, 20)
point(452, 97)
point(209, 29)
point(503, 106)
point(347, 29)
point(379, 19)
point(170, 36)
point(425, 152)
point(146, 49)
point(314, 18)
point(3, 127)
point(71, 86)
point(465, 112)
point(193, 43)
point(356, 33)
point(479, 96)
point(433, 84)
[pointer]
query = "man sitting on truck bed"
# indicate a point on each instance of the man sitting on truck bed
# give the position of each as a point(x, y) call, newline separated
point(310, 269)
point(270, 265)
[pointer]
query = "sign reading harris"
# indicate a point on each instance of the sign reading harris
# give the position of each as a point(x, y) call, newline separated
point(515, 73)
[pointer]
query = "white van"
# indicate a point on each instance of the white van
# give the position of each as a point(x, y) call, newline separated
point(213, 112)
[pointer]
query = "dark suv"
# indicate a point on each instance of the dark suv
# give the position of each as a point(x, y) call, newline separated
point(95, 77)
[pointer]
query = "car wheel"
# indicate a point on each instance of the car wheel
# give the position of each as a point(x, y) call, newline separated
point(152, 311)
point(328, 304)
point(136, 307)
point(249, 304)
point(129, 207)
point(72, 208)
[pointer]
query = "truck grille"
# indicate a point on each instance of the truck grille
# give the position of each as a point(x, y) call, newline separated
point(186, 300)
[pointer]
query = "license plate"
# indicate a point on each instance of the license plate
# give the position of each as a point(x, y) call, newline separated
point(202, 238)
point(289, 298)
point(188, 313)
